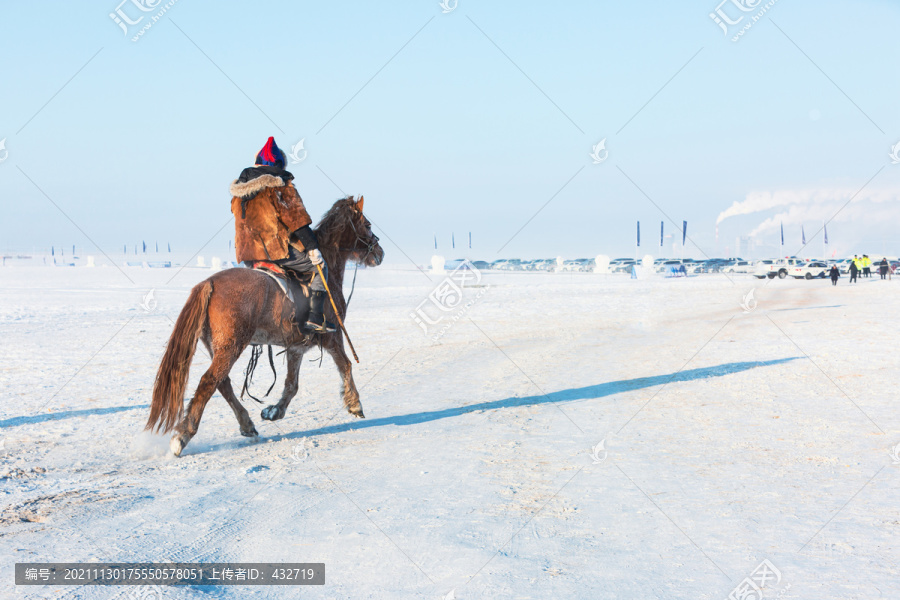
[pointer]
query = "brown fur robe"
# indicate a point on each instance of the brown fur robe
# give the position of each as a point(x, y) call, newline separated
point(264, 224)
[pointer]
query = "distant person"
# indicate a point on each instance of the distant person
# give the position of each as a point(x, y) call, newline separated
point(866, 265)
point(854, 269)
point(883, 268)
point(834, 273)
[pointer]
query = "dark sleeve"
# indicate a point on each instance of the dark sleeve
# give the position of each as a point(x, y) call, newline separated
point(307, 238)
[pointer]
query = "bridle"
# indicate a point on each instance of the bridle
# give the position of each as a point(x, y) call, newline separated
point(369, 243)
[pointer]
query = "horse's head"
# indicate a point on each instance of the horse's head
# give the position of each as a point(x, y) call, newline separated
point(345, 228)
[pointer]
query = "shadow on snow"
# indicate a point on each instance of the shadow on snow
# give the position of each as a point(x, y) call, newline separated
point(591, 392)
point(66, 414)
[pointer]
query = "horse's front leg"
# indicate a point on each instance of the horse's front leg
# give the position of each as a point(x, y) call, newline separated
point(291, 385)
point(350, 393)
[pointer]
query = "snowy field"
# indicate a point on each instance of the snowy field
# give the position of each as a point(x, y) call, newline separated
point(730, 437)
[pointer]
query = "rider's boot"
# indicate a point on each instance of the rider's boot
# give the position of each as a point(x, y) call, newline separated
point(316, 321)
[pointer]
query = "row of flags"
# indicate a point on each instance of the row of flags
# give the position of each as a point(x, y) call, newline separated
point(54, 250)
point(662, 233)
point(144, 247)
point(61, 252)
point(662, 226)
point(803, 233)
point(453, 240)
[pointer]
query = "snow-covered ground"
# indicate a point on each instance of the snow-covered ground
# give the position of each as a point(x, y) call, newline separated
point(728, 436)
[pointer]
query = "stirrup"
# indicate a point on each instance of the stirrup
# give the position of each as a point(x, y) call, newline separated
point(324, 327)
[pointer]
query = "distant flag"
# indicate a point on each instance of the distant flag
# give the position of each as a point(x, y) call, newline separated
point(170, 245)
point(435, 241)
point(157, 246)
point(453, 240)
point(782, 234)
point(73, 249)
point(470, 240)
point(639, 234)
point(683, 233)
point(825, 227)
point(52, 251)
point(802, 236)
point(144, 244)
point(662, 225)
point(124, 248)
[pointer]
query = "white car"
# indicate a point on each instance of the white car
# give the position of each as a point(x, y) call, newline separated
point(776, 268)
point(664, 267)
point(742, 266)
point(579, 264)
point(810, 270)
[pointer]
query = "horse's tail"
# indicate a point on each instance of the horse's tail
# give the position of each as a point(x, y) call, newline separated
point(171, 379)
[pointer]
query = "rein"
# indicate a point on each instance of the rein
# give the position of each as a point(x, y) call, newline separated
point(370, 245)
point(352, 287)
point(255, 352)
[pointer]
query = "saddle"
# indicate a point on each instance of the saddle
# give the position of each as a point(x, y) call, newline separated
point(294, 285)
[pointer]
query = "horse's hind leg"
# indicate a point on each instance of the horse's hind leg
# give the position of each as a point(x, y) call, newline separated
point(291, 385)
point(243, 417)
point(222, 362)
point(349, 392)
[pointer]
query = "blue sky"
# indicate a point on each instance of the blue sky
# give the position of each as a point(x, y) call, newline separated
point(471, 120)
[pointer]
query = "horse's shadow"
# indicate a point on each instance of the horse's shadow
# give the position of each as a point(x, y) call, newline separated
point(591, 392)
point(66, 414)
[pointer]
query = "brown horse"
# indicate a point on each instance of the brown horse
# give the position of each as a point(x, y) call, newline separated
point(238, 307)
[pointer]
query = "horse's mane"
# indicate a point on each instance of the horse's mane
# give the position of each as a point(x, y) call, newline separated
point(334, 224)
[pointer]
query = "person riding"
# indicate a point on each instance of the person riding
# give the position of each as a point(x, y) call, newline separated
point(271, 224)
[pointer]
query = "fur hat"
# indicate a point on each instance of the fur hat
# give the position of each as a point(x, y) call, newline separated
point(271, 155)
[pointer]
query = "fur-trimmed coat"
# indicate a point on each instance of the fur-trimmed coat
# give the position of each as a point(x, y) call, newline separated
point(268, 211)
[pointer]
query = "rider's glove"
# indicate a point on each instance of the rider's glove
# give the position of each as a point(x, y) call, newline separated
point(315, 257)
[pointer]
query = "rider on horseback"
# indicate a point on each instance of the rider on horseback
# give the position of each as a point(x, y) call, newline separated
point(271, 224)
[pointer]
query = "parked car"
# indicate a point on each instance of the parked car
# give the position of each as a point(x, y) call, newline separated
point(741, 266)
point(665, 265)
point(545, 264)
point(578, 264)
point(776, 268)
point(458, 262)
point(810, 270)
point(694, 266)
point(509, 264)
point(623, 267)
point(709, 266)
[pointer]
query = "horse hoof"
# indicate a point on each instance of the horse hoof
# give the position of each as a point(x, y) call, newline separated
point(250, 432)
point(357, 413)
point(177, 444)
point(270, 413)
